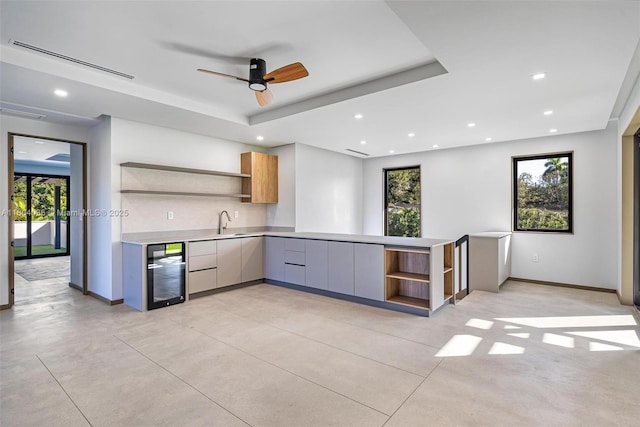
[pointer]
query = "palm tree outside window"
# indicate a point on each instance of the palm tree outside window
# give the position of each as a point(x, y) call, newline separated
point(542, 193)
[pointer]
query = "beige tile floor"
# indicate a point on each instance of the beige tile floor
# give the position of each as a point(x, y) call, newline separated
point(269, 356)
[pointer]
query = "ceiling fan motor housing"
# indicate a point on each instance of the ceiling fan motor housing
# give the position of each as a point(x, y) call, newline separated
point(257, 70)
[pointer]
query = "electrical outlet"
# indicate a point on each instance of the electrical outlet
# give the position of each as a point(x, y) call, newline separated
point(235, 214)
point(170, 215)
point(534, 258)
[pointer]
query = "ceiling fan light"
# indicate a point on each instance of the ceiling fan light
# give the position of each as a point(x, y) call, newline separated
point(258, 86)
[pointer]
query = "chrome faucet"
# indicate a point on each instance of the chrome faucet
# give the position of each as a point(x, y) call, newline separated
point(221, 227)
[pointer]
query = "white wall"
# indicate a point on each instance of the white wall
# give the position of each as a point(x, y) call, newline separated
point(99, 239)
point(468, 190)
point(283, 213)
point(143, 143)
point(28, 127)
point(328, 191)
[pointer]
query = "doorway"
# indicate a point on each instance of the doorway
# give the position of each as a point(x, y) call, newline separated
point(47, 228)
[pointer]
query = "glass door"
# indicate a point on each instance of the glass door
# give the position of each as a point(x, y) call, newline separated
point(40, 222)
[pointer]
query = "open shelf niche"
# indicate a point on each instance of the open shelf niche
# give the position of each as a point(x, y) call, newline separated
point(448, 271)
point(407, 277)
point(165, 168)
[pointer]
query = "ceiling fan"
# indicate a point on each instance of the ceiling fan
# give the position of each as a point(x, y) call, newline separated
point(259, 78)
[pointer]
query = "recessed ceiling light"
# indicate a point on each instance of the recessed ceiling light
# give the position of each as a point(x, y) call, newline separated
point(435, 145)
point(488, 139)
point(363, 142)
point(22, 152)
point(554, 130)
point(539, 76)
point(471, 125)
point(61, 93)
point(411, 134)
point(259, 137)
point(548, 112)
point(38, 142)
point(358, 116)
point(391, 151)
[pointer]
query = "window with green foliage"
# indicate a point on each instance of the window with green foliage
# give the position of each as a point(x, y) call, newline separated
point(402, 202)
point(542, 193)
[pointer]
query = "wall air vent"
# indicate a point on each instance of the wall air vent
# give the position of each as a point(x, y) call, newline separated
point(70, 59)
point(21, 113)
point(357, 152)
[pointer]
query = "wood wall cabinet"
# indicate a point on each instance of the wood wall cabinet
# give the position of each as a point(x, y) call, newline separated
point(262, 185)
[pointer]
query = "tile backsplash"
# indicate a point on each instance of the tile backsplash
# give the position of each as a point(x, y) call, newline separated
point(147, 212)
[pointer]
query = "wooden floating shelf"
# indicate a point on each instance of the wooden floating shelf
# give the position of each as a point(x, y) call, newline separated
point(402, 275)
point(447, 297)
point(410, 301)
point(182, 193)
point(447, 270)
point(184, 170)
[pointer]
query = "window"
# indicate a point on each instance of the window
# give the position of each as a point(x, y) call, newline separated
point(402, 202)
point(542, 193)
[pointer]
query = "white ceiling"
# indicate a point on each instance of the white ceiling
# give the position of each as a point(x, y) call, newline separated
point(424, 67)
point(39, 150)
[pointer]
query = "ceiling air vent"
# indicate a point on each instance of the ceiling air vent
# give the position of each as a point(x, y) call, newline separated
point(357, 152)
point(21, 113)
point(70, 59)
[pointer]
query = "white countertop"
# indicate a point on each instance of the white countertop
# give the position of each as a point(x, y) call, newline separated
point(198, 235)
point(492, 234)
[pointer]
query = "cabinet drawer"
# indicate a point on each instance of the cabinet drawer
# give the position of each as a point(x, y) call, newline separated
point(294, 274)
point(203, 280)
point(291, 257)
point(202, 262)
point(206, 247)
point(294, 245)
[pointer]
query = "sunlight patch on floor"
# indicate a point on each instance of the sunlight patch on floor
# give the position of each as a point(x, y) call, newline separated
point(504, 348)
point(598, 346)
point(626, 337)
point(572, 321)
point(479, 323)
point(559, 340)
point(459, 345)
point(523, 335)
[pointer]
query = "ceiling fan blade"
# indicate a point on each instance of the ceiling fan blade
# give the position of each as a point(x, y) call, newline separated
point(287, 73)
point(222, 74)
point(264, 98)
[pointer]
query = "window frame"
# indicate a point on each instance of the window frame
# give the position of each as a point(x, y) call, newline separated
point(385, 178)
point(514, 190)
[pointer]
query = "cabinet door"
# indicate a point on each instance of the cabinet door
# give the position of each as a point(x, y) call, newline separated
point(202, 280)
point(341, 267)
point(229, 262)
point(274, 258)
point(369, 271)
point(317, 263)
point(252, 258)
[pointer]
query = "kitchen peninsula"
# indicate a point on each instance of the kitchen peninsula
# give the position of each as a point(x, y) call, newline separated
point(413, 275)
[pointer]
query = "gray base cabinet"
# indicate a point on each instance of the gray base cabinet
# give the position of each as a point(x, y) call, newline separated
point(341, 267)
point(202, 266)
point(489, 260)
point(317, 264)
point(274, 258)
point(252, 258)
point(369, 271)
point(229, 262)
